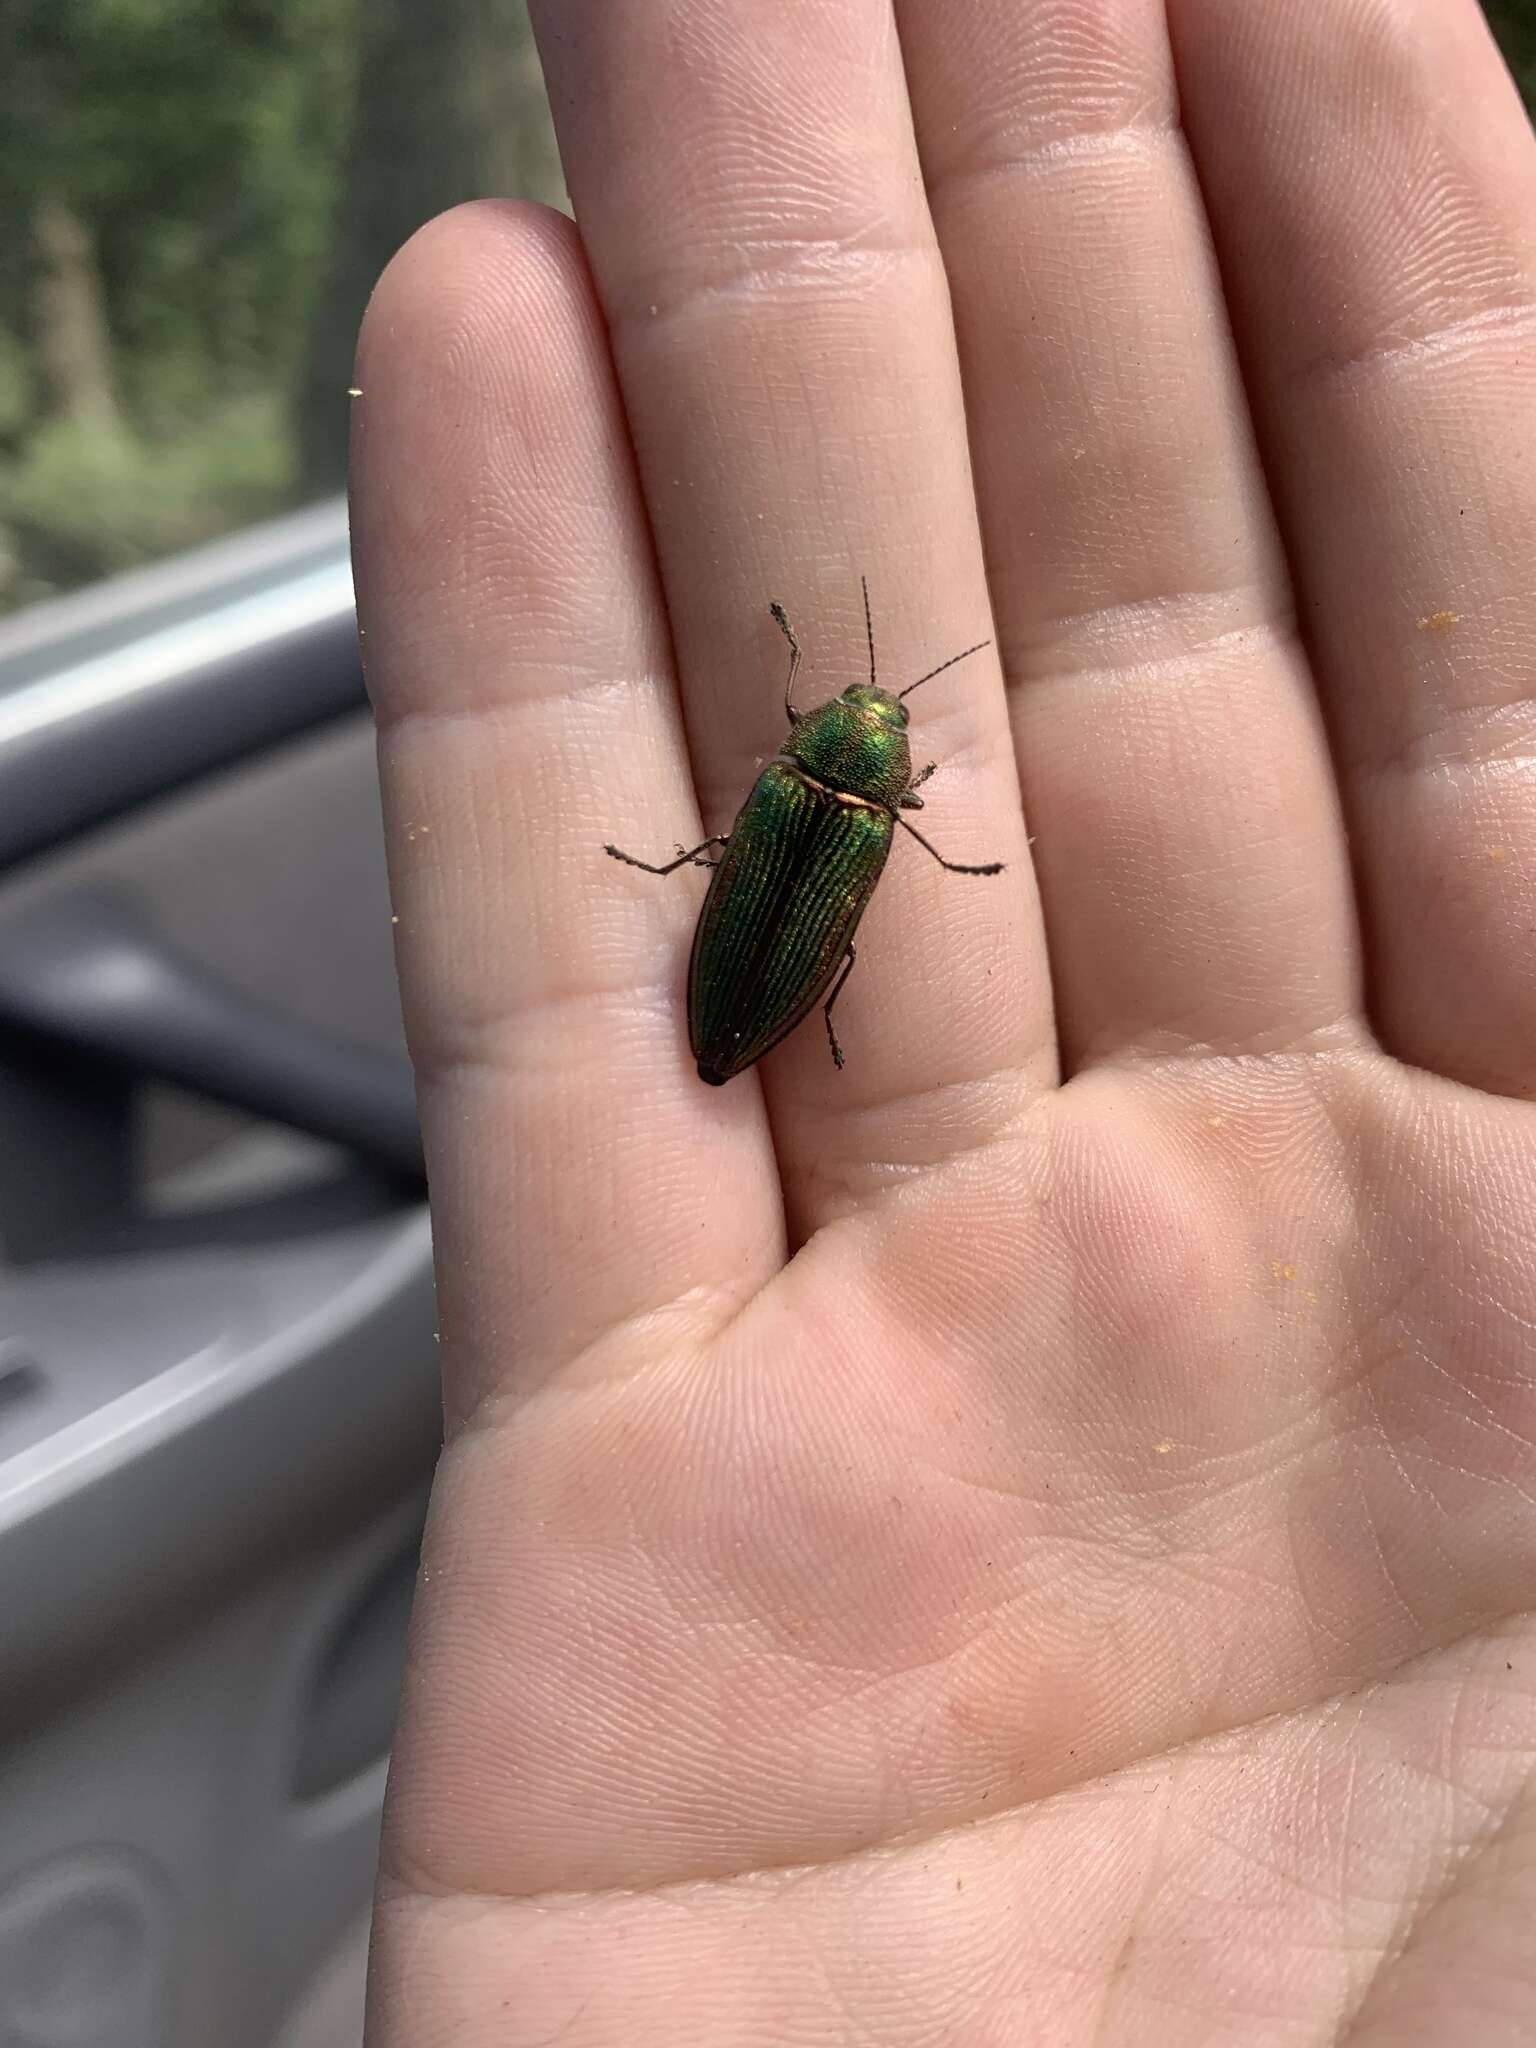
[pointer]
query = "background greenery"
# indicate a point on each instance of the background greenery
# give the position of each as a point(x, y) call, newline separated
point(199, 195)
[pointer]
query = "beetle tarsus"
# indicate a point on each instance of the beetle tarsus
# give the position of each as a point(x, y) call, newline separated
point(991, 867)
point(685, 857)
point(837, 988)
point(781, 619)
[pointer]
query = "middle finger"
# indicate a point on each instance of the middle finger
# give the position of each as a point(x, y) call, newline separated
point(748, 189)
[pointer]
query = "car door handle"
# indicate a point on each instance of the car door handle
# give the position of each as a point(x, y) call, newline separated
point(85, 975)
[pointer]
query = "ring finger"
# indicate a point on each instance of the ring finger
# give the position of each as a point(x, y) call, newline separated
point(1191, 854)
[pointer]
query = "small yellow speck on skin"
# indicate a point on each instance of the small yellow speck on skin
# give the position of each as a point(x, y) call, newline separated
point(1498, 853)
point(1309, 1297)
point(1163, 1448)
point(394, 920)
point(1215, 1122)
point(1281, 1270)
point(353, 391)
point(1436, 622)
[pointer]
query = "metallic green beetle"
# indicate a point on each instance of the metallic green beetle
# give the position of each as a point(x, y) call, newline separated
point(799, 867)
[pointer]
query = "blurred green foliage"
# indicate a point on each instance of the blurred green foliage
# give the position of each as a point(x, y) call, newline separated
point(1514, 23)
point(180, 181)
point(198, 194)
point(190, 148)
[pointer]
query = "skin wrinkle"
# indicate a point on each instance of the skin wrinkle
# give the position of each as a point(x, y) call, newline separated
point(1444, 341)
point(601, 690)
point(770, 1880)
point(1418, 1915)
point(1272, 1455)
point(1445, 749)
point(496, 1047)
point(841, 268)
point(1130, 138)
point(1114, 1988)
point(1345, 1038)
point(1040, 661)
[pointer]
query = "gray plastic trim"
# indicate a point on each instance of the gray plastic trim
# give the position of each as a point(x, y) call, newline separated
point(87, 976)
point(268, 1402)
point(154, 678)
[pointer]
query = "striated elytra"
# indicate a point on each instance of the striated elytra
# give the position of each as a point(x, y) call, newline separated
point(798, 868)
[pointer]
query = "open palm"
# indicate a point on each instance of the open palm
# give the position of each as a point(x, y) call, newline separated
point(1026, 1540)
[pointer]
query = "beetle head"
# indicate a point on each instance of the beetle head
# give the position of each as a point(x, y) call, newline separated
point(881, 704)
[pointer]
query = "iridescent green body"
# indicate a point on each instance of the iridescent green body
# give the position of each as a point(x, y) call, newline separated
point(799, 867)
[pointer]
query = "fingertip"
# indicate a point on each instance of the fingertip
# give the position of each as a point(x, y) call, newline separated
point(464, 267)
point(487, 444)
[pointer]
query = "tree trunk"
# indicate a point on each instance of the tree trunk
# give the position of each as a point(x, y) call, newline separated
point(74, 347)
point(450, 106)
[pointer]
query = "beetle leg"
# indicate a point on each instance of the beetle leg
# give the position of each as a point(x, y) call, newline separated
point(781, 619)
point(909, 800)
point(991, 867)
point(683, 857)
point(826, 1010)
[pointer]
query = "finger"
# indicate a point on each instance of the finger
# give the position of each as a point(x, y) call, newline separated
point(520, 672)
point(782, 335)
point(1187, 837)
point(1375, 208)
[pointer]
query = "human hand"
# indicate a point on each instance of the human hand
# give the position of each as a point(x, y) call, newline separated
point(1029, 1539)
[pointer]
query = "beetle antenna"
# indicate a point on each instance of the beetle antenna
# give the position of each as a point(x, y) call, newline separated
point(869, 630)
point(941, 668)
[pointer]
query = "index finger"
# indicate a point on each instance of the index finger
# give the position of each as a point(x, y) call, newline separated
point(520, 668)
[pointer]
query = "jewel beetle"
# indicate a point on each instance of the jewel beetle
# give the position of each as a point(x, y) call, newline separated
point(798, 867)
